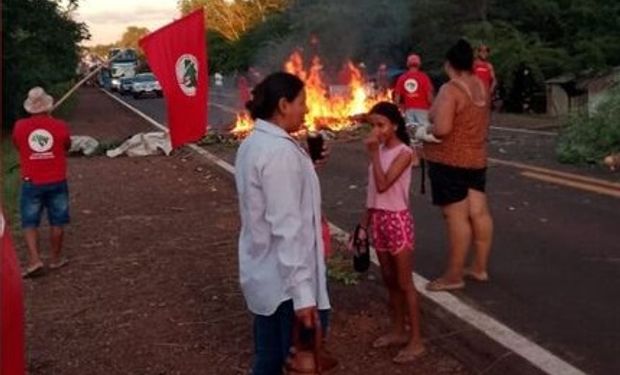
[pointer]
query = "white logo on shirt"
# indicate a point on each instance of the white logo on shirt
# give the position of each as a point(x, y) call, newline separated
point(411, 85)
point(1, 225)
point(40, 140)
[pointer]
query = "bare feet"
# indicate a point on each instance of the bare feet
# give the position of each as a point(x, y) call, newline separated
point(475, 275)
point(410, 353)
point(444, 284)
point(391, 339)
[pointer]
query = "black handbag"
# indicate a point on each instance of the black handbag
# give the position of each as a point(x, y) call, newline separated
point(361, 250)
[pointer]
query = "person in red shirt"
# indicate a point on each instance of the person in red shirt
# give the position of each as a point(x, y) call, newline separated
point(484, 69)
point(414, 93)
point(42, 142)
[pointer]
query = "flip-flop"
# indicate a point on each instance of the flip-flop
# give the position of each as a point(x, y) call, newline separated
point(385, 341)
point(402, 358)
point(35, 271)
point(61, 263)
point(480, 277)
point(440, 285)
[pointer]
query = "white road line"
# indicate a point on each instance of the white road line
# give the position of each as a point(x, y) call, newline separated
point(530, 351)
point(525, 131)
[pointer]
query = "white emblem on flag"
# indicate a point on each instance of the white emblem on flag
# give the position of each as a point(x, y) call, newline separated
point(411, 85)
point(187, 74)
point(40, 140)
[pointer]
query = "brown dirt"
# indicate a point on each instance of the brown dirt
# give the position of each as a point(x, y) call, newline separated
point(152, 285)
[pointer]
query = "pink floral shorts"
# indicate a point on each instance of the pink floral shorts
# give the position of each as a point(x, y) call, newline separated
point(392, 231)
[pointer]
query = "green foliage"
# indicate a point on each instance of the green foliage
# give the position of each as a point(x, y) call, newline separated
point(589, 138)
point(10, 178)
point(340, 269)
point(40, 48)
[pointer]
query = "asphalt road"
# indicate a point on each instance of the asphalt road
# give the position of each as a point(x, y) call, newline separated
point(555, 266)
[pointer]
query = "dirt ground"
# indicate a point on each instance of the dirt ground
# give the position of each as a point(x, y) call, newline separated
point(152, 285)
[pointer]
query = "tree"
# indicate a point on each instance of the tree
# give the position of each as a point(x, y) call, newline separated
point(40, 48)
point(132, 36)
point(233, 18)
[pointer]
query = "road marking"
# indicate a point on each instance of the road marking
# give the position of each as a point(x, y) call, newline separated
point(225, 108)
point(574, 184)
point(524, 131)
point(597, 182)
point(530, 351)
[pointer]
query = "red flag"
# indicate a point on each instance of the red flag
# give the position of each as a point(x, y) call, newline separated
point(177, 54)
point(11, 307)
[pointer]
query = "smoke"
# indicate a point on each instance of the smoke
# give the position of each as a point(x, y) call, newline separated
point(368, 31)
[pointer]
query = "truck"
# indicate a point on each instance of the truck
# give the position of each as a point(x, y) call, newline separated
point(124, 65)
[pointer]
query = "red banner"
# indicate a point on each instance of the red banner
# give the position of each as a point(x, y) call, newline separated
point(11, 306)
point(177, 55)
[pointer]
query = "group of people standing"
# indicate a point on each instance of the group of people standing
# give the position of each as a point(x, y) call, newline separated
point(281, 247)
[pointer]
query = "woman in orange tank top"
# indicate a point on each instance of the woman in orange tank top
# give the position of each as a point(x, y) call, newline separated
point(457, 168)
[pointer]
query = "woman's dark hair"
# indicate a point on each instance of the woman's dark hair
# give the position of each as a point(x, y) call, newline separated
point(392, 113)
point(461, 56)
point(267, 94)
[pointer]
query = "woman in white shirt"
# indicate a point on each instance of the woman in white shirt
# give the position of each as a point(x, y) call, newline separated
point(281, 261)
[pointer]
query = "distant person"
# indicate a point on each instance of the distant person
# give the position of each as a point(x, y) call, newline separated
point(345, 75)
point(42, 142)
point(254, 76)
point(457, 168)
point(219, 79)
point(414, 92)
point(281, 253)
point(383, 79)
point(244, 90)
point(390, 225)
point(484, 69)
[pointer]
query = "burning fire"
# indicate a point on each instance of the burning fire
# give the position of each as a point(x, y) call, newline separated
point(329, 108)
point(243, 125)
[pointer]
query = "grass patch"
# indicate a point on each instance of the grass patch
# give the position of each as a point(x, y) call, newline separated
point(340, 269)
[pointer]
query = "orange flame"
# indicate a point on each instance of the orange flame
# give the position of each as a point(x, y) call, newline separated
point(243, 125)
point(328, 107)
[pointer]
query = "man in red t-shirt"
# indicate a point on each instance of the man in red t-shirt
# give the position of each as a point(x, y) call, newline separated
point(414, 92)
point(484, 69)
point(42, 142)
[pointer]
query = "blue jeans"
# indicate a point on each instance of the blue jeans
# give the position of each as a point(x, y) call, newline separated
point(54, 198)
point(272, 338)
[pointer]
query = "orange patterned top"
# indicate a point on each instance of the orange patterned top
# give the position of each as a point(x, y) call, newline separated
point(466, 145)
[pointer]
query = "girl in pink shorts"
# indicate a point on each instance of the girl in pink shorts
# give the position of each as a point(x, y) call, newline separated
point(390, 225)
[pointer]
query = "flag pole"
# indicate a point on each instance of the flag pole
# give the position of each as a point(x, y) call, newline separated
point(83, 80)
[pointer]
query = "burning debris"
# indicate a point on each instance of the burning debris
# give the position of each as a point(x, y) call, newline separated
point(330, 107)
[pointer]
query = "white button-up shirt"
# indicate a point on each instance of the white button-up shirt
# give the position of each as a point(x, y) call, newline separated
point(280, 245)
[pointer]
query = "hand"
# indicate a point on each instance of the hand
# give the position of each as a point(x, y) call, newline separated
point(309, 317)
point(324, 157)
point(372, 142)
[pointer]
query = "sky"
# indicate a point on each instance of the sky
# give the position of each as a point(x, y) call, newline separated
point(108, 19)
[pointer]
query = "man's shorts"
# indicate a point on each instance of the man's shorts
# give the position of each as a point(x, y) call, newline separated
point(54, 198)
point(451, 184)
point(417, 116)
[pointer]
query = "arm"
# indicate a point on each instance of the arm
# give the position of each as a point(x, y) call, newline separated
point(282, 183)
point(493, 80)
point(442, 113)
point(431, 89)
point(67, 139)
point(398, 96)
point(384, 180)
